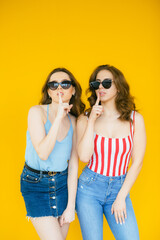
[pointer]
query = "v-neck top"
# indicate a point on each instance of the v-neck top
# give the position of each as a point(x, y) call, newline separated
point(58, 159)
point(111, 156)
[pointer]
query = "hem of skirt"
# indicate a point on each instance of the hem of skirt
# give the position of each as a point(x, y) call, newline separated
point(34, 218)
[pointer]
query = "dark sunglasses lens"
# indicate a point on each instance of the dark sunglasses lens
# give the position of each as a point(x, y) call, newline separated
point(95, 85)
point(107, 83)
point(66, 84)
point(53, 85)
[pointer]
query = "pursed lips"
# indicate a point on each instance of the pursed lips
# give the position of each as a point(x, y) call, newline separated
point(102, 93)
point(60, 93)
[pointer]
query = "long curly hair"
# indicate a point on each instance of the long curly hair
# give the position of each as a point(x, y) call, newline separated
point(78, 105)
point(124, 100)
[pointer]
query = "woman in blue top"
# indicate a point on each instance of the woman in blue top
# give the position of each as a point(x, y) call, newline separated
point(49, 177)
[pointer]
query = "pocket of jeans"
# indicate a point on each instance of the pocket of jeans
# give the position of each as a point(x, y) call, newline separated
point(29, 176)
point(116, 185)
point(86, 179)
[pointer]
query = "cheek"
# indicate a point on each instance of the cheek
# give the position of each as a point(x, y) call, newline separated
point(113, 90)
point(67, 94)
point(53, 93)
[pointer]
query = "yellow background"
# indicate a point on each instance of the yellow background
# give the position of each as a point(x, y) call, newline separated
point(37, 36)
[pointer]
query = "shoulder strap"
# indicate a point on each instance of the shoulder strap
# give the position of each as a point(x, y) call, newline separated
point(69, 118)
point(132, 125)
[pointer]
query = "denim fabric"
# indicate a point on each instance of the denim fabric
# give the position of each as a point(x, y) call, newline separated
point(44, 195)
point(95, 196)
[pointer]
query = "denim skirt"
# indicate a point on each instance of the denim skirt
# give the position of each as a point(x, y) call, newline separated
point(44, 195)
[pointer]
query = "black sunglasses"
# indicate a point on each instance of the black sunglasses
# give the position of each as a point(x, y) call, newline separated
point(66, 84)
point(106, 83)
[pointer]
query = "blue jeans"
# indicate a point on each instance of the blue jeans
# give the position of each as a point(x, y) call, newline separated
point(95, 196)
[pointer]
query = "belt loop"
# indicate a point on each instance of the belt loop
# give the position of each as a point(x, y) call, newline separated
point(40, 174)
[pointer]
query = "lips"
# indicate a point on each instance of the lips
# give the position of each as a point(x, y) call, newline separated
point(60, 93)
point(102, 93)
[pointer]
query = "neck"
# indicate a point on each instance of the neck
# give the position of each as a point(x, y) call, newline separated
point(110, 109)
point(54, 107)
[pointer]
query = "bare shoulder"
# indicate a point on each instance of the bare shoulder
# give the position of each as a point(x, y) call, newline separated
point(139, 123)
point(36, 111)
point(82, 120)
point(138, 118)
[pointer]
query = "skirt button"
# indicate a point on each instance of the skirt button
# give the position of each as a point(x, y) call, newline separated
point(54, 207)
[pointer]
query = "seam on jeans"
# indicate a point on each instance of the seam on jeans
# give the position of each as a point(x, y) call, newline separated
point(56, 199)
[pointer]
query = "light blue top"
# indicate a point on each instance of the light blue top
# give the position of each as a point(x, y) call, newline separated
point(57, 160)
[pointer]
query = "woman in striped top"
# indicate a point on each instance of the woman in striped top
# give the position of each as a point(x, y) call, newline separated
point(109, 134)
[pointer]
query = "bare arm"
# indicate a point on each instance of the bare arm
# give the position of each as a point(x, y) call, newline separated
point(69, 213)
point(85, 138)
point(73, 173)
point(139, 146)
point(85, 132)
point(43, 143)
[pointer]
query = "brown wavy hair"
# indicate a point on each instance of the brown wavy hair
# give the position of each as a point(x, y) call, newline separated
point(78, 105)
point(124, 100)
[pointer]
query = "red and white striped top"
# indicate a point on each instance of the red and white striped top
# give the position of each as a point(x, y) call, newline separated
point(112, 155)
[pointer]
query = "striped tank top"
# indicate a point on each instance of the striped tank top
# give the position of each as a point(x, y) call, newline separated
point(111, 156)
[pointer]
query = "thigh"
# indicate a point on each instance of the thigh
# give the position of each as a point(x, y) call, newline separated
point(90, 215)
point(47, 228)
point(64, 229)
point(126, 231)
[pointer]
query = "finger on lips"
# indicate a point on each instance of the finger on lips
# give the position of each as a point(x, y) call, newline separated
point(98, 99)
point(60, 98)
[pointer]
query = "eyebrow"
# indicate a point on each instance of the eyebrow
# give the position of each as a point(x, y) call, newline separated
point(61, 80)
point(97, 79)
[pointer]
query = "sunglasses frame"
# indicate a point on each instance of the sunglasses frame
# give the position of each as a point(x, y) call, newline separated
point(108, 80)
point(49, 84)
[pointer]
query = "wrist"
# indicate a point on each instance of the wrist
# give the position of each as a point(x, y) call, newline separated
point(121, 196)
point(91, 121)
point(71, 206)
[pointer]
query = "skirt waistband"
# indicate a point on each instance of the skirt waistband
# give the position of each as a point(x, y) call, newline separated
point(50, 173)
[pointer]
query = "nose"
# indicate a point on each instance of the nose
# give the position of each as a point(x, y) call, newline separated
point(59, 87)
point(100, 85)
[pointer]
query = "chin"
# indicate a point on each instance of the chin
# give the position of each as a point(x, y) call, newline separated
point(106, 99)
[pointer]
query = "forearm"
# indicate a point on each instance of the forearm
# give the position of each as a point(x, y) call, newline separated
point(130, 179)
point(47, 144)
point(72, 183)
point(86, 145)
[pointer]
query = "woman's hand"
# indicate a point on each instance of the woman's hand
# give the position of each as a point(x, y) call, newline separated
point(68, 216)
point(119, 210)
point(97, 110)
point(63, 108)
